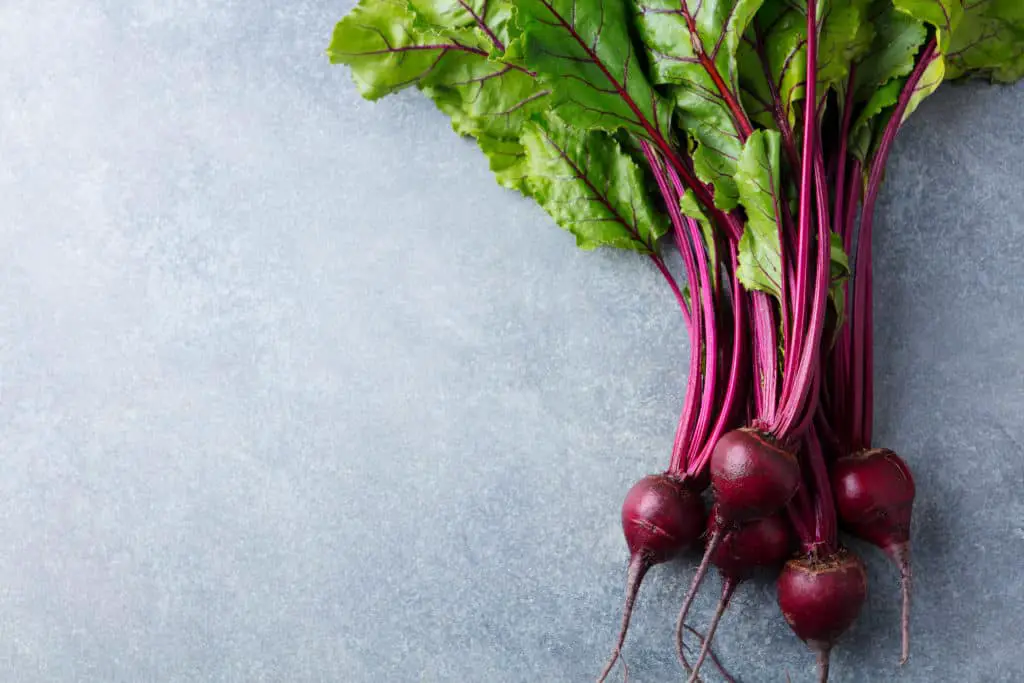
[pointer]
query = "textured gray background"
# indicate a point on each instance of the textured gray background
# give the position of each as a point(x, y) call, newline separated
point(291, 390)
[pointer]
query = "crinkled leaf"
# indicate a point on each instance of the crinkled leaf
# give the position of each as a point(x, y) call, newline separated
point(583, 49)
point(494, 18)
point(452, 51)
point(590, 186)
point(846, 36)
point(773, 58)
point(484, 96)
point(897, 40)
point(773, 62)
point(692, 46)
point(944, 15)
point(989, 42)
point(388, 49)
point(930, 81)
point(508, 161)
point(863, 132)
point(882, 72)
point(758, 180)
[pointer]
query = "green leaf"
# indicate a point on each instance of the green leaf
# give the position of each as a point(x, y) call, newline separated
point(485, 97)
point(773, 62)
point(989, 42)
point(582, 48)
point(689, 206)
point(692, 45)
point(758, 180)
point(507, 160)
point(930, 81)
point(882, 72)
point(494, 18)
point(897, 40)
point(590, 186)
point(944, 15)
point(846, 36)
point(388, 49)
point(452, 51)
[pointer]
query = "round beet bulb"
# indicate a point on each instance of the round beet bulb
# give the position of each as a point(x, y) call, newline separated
point(661, 517)
point(765, 542)
point(752, 476)
point(821, 599)
point(874, 494)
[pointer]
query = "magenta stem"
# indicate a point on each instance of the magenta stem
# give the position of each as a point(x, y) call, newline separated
point(710, 333)
point(732, 390)
point(862, 316)
point(677, 461)
point(795, 343)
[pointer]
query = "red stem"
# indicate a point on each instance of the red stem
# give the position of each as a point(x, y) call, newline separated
point(863, 333)
point(710, 339)
point(677, 462)
point(732, 390)
point(796, 342)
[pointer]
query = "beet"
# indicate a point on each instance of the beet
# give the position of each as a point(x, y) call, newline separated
point(820, 599)
point(874, 493)
point(764, 542)
point(752, 475)
point(661, 517)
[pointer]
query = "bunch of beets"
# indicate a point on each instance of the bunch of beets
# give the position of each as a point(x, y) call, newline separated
point(755, 135)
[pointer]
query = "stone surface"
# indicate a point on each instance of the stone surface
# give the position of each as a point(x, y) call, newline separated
point(291, 390)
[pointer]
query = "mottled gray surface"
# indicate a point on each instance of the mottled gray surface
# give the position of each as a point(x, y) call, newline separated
point(290, 390)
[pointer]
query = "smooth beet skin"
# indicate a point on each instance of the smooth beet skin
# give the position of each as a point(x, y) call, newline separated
point(741, 550)
point(874, 493)
point(821, 599)
point(765, 542)
point(661, 517)
point(751, 475)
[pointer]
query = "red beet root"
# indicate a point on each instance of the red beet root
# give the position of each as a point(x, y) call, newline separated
point(764, 542)
point(752, 476)
point(874, 493)
point(821, 599)
point(661, 517)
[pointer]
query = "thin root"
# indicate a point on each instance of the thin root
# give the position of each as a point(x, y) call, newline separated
point(728, 588)
point(823, 662)
point(714, 658)
point(638, 567)
point(902, 558)
point(702, 570)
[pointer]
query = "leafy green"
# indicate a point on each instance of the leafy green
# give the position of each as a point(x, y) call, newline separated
point(989, 42)
point(758, 179)
point(689, 206)
point(582, 49)
point(452, 52)
point(389, 50)
point(773, 63)
point(692, 46)
point(944, 15)
point(590, 186)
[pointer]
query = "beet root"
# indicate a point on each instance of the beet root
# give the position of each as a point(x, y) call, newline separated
point(764, 542)
point(820, 599)
point(752, 475)
point(661, 517)
point(874, 493)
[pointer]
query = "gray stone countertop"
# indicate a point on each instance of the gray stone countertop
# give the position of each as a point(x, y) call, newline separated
point(291, 390)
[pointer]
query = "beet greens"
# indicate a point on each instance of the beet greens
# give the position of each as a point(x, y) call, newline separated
point(752, 137)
